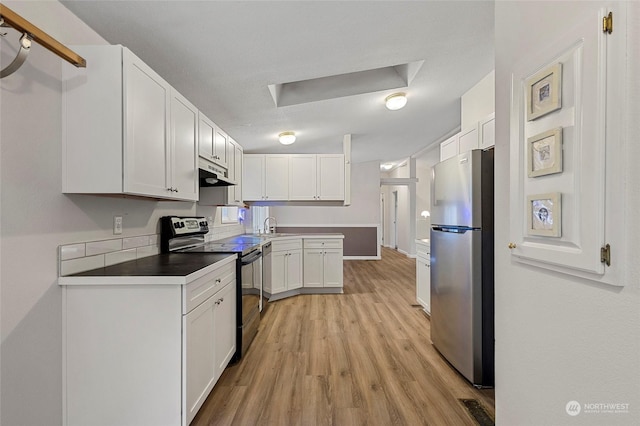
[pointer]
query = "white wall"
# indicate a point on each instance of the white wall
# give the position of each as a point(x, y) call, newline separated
point(364, 208)
point(478, 102)
point(36, 217)
point(559, 338)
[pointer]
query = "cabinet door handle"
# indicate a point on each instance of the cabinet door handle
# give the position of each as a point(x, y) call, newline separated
point(219, 280)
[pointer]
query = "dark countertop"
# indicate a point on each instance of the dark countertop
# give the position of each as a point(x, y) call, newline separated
point(173, 268)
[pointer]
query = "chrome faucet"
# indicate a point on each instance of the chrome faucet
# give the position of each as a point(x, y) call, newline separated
point(270, 229)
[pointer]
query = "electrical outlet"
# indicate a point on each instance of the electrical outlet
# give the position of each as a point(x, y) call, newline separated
point(117, 225)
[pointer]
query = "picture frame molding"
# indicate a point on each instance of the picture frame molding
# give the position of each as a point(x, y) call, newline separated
point(555, 72)
point(556, 214)
point(555, 152)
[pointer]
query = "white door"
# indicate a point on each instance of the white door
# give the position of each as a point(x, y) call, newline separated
point(331, 177)
point(278, 271)
point(382, 219)
point(253, 177)
point(184, 143)
point(294, 269)
point(206, 131)
point(225, 327)
point(146, 153)
point(302, 177)
point(313, 267)
point(394, 220)
point(200, 355)
point(220, 141)
point(468, 140)
point(276, 177)
point(333, 274)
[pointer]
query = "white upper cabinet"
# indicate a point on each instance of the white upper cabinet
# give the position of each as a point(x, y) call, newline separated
point(294, 177)
point(117, 129)
point(487, 131)
point(330, 184)
point(213, 141)
point(265, 177)
point(226, 195)
point(276, 177)
point(302, 177)
point(220, 144)
point(468, 140)
point(482, 136)
point(449, 148)
point(183, 153)
point(253, 177)
point(235, 173)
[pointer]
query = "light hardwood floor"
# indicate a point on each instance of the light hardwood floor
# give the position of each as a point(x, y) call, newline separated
point(359, 358)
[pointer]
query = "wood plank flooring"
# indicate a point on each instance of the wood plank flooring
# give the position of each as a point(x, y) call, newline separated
point(359, 358)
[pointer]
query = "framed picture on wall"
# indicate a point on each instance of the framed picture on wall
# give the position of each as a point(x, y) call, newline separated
point(544, 153)
point(544, 214)
point(544, 92)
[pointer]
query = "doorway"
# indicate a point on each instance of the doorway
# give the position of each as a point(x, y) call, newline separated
point(394, 220)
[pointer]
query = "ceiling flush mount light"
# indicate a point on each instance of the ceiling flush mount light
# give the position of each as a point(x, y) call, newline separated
point(287, 138)
point(387, 166)
point(396, 101)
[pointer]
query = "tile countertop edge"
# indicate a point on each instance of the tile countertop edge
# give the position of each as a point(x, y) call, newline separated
point(144, 280)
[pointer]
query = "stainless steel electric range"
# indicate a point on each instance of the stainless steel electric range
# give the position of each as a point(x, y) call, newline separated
point(186, 235)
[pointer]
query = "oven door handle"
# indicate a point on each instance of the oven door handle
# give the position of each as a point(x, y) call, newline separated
point(251, 257)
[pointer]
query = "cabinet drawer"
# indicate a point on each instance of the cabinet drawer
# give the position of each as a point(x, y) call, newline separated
point(204, 287)
point(286, 245)
point(420, 252)
point(319, 243)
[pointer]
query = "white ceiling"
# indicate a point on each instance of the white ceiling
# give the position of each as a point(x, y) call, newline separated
point(223, 56)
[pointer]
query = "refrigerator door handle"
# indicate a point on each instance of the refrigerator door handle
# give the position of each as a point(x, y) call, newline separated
point(452, 230)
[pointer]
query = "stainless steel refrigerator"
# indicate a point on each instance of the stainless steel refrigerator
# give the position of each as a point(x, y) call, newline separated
point(462, 306)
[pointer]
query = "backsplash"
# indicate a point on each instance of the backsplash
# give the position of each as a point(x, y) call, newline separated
point(80, 257)
point(219, 232)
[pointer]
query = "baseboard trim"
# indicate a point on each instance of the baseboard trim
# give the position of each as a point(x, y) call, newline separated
point(361, 257)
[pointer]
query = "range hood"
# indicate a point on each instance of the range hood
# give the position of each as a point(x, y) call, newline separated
point(212, 175)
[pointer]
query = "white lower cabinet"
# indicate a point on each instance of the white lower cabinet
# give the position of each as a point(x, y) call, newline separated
point(323, 263)
point(286, 266)
point(210, 344)
point(423, 275)
point(146, 354)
